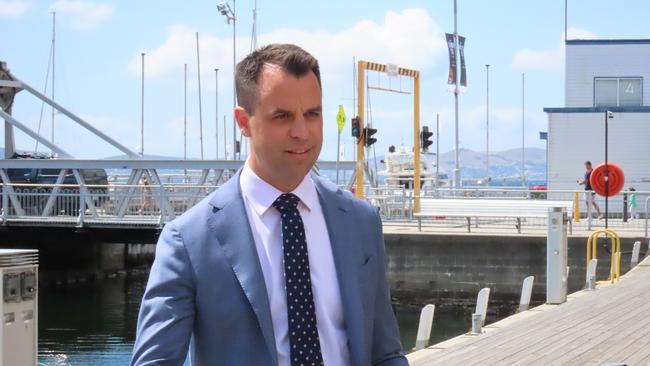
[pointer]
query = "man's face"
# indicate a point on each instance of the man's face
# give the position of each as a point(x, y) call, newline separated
point(587, 166)
point(286, 129)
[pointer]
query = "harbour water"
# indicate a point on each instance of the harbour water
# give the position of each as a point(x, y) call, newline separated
point(93, 323)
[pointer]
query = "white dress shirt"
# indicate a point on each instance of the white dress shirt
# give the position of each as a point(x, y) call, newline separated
point(265, 222)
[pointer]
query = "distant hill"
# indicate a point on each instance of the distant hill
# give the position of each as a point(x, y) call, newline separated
point(146, 157)
point(503, 164)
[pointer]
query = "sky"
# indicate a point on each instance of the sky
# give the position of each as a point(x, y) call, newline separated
point(98, 66)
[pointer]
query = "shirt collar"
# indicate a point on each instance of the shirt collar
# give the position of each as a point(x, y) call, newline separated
point(261, 194)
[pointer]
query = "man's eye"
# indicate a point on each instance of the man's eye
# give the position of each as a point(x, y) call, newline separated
point(281, 116)
point(314, 114)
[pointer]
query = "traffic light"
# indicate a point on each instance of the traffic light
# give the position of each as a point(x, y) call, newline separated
point(367, 136)
point(425, 138)
point(356, 127)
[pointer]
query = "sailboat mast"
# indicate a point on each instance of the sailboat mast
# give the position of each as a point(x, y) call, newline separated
point(53, 67)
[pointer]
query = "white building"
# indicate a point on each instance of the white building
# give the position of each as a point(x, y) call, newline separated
point(600, 76)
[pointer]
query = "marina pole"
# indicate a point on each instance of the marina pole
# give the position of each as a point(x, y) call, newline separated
point(234, 91)
point(523, 151)
point(608, 115)
point(437, 148)
point(198, 67)
point(487, 124)
point(338, 154)
point(185, 114)
point(53, 66)
point(225, 146)
point(457, 177)
point(216, 114)
point(142, 112)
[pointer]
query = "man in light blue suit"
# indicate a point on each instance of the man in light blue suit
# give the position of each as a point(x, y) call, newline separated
point(278, 266)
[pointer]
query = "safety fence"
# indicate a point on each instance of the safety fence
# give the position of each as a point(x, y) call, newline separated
point(396, 203)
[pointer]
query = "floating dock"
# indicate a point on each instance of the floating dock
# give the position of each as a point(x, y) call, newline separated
point(609, 324)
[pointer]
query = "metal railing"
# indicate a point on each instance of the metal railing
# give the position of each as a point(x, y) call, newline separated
point(150, 204)
point(395, 204)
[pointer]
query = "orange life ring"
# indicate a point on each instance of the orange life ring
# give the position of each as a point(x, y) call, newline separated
point(616, 179)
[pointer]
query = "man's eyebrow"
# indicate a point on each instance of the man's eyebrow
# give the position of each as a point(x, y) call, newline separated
point(280, 110)
point(318, 108)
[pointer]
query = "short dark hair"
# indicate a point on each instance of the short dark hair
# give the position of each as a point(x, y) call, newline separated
point(588, 162)
point(291, 58)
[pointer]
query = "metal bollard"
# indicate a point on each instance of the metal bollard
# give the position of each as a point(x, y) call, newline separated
point(635, 254)
point(477, 324)
point(590, 283)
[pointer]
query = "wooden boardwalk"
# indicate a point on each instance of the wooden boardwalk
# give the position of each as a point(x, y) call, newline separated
point(611, 324)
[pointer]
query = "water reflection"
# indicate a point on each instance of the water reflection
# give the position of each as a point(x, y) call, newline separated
point(94, 323)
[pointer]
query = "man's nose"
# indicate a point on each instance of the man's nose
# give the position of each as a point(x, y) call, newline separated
point(299, 128)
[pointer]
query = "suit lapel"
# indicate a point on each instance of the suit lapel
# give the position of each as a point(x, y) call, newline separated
point(336, 209)
point(230, 225)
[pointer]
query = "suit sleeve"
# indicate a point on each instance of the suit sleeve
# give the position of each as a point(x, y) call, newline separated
point(166, 315)
point(386, 344)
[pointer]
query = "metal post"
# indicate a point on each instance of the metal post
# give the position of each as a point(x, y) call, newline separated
point(607, 117)
point(590, 199)
point(457, 177)
point(424, 327)
point(234, 90)
point(142, 112)
point(476, 324)
point(556, 256)
point(437, 149)
point(338, 154)
point(225, 146)
point(53, 66)
point(216, 114)
point(523, 129)
point(198, 67)
point(487, 124)
point(185, 114)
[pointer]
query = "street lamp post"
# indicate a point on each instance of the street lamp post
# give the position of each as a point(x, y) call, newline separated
point(229, 14)
point(487, 124)
point(608, 115)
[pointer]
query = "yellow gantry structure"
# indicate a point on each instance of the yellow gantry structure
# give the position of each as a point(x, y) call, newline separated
point(592, 241)
point(362, 67)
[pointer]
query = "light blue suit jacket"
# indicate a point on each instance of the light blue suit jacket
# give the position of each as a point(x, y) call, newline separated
point(206, 286)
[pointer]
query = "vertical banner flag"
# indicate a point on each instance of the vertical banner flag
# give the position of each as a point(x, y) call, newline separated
point(340, 118)
point(461, 50)
point(452, 58)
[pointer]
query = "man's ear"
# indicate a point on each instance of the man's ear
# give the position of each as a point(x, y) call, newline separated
point(243, 120)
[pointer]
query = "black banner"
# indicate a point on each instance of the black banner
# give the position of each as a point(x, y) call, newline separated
point(451, 44)
point(461, 51)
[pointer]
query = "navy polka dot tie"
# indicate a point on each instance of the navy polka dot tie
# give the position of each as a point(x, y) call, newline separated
point(303, 333)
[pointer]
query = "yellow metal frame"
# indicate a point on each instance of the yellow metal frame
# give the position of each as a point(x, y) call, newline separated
point(362, 67)
point(592, 241)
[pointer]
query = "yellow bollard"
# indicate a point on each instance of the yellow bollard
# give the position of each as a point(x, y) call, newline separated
point(576, 207)
point(592, 243)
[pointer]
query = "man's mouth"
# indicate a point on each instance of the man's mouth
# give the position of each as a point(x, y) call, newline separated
point(298, 151)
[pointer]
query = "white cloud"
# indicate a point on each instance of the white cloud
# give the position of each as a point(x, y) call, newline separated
point(577, 33)
point(13, 8)
point(410, 39)
point(549, 60)
point(83, 14)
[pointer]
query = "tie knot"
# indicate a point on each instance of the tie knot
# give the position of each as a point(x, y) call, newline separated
point(286, 202)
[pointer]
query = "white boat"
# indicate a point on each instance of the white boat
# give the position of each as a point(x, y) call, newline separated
point(399, 169)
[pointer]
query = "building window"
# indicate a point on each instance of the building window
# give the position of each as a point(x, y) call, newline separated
point(618, 92)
